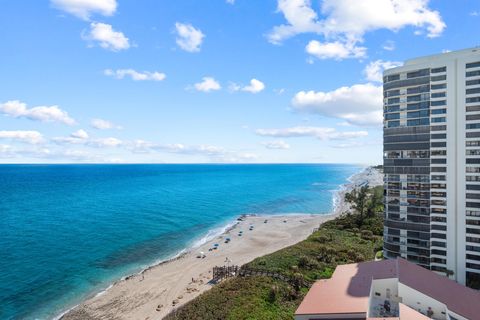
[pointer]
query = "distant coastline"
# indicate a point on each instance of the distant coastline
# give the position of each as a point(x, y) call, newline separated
point(182, 260)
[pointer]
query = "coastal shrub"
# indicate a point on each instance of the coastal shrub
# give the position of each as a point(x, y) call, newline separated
point(321, 239)
point(242, 299)
point(326, 273)
point(367, 235)
point(379, 254)
point(272, 295)
point(307, 263)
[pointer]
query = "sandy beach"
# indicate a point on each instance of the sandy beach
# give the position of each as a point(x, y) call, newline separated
point(158, 290)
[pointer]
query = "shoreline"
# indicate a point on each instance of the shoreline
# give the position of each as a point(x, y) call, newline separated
point(108, 303)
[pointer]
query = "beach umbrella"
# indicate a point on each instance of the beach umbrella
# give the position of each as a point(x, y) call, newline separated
point(216, 245)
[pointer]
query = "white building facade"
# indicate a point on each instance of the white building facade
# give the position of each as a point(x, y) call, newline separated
point(432, 163)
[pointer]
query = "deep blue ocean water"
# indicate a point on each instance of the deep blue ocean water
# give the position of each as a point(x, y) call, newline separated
point(68, 231)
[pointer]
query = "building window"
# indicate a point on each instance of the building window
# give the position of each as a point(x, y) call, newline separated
point(472, 143)
point(473, 231)
point(393, 77)
point(393, 124)
point(439, 219)
point(438, 70)
point(438, 78)
point(438, 144)
point(472, 126)
point(439, 119)
point(439, 210)
point(473, 257)
point(473, 266)
point(419, 73)
point(473, 91)
point(471, 100)
point(473, 108)
point(472, 65)
point(439, 152)
point(472, 152)
point(439, 86)
point(418, 122)
point(473, 213)
point(473, 239)
point(439, 235)
point(472, 248)
point(472, 117)
point(472, 73)
point(439, 111)
point(472, 82)
point(473, 222)
point(438, 128)
point(439, 244)
point(473, 204)
point(438, 103)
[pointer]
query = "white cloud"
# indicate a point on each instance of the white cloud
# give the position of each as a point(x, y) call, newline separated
point(389, 45)
point(320, 133)
point(374, 70)
point(77, 137)
point(102, 124)
point(474, 13)
point(354, 18)
point(360, 104)
point(85, 8)
point(33, 137)
point(106, 37)
point(188, 37)
point(357, 144)
point(335, 50)
point(140, 146)
point(106, 142)
point(230, 1)
point(80, 134)
point(255, 86)
point(135, 75)
point(300, 18)
point(208, 84)
point(6, 151)
point(5, 148)
point(214, 153)
point(344, 22)
point(276, 144)
point(199, 149)
point(81, 137)
point(18, 109)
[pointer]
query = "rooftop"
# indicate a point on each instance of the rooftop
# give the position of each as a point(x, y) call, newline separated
point(348, 290)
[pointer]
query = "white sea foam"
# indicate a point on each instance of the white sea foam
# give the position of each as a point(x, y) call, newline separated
point(212, 234)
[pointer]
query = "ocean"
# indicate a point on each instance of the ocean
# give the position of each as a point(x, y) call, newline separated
point(69, 231)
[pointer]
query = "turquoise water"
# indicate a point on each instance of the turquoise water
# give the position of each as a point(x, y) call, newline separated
point(67, 231)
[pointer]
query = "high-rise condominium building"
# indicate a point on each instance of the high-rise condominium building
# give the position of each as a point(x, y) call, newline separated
point(432, 163)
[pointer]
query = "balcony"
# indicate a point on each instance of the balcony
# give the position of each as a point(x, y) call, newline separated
point(380, 308)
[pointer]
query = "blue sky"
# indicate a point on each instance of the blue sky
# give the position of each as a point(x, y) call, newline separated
point(193, 81)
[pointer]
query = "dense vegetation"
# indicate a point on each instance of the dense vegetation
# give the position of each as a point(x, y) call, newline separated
point(353, 237)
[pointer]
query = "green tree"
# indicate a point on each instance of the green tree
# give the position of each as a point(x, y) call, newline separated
point(375, 202)
point(358, 199)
